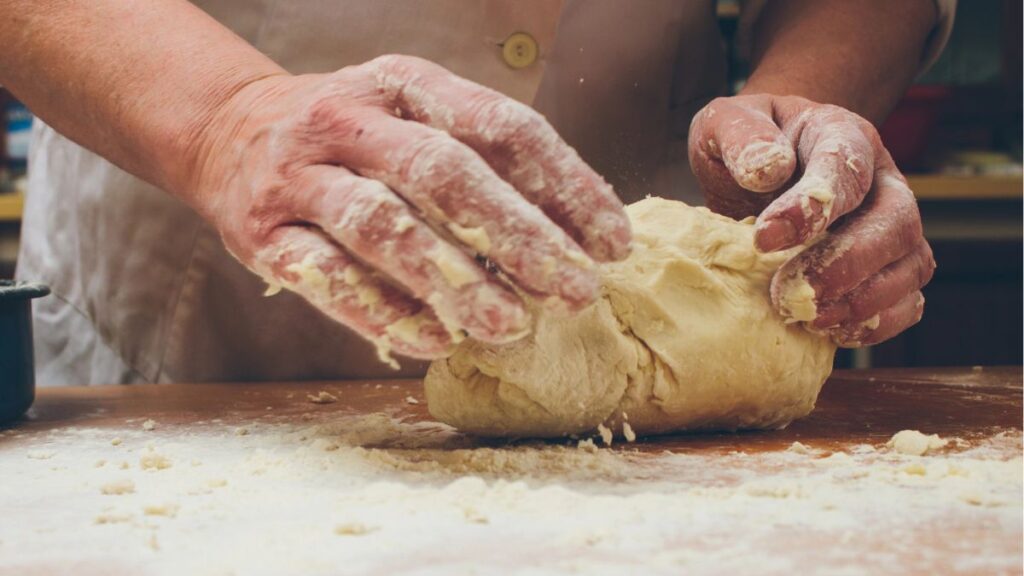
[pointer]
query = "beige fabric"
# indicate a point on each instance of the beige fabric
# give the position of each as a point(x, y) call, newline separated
point(144, 291)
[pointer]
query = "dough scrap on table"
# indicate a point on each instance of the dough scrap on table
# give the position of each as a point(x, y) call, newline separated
point(914, 443)
point(322, 397)
point(684, 337)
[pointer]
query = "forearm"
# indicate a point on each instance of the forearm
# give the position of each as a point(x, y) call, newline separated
point(858, 54)
point(133, 80)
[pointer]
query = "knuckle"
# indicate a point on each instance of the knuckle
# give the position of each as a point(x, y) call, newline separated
point(392, 63)
point(436, 163)
point(370, 214)
point(925, 266)
point(255, 225)
point(503, 121)
point(328, 116)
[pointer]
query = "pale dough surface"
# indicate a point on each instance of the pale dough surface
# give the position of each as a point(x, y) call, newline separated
point(683, 338)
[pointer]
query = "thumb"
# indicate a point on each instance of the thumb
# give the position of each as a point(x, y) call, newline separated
point(740, 134)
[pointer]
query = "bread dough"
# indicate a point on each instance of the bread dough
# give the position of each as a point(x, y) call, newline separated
point(683, 338)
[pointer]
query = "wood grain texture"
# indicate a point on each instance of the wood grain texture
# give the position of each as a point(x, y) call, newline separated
point(855, 406)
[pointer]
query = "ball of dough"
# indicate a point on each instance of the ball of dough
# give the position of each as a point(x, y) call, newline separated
point(683, 338)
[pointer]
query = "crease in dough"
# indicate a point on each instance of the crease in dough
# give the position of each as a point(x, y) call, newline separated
point(683, 338)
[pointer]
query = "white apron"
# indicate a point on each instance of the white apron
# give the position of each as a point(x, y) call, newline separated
point(143, 291)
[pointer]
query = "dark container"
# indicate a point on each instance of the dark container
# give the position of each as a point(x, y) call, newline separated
point(17, 375)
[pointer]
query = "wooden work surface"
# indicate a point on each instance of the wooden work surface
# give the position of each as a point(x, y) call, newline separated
point(259, 479)
point(855, 406)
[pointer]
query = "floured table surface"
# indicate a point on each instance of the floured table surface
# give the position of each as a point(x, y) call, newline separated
point(354, 478)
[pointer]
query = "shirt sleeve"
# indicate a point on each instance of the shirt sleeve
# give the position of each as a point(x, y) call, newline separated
point(750, 10)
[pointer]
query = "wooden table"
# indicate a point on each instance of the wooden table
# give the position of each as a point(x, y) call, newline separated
point(857, 413)
point(855, 406)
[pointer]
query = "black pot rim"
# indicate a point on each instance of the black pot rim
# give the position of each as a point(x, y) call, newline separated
point(11, 290)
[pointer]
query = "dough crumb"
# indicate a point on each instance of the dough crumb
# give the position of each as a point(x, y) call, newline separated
point(118, 487)
point(153, 460)
point(606, 434)
point(475, 516)
point(914, 443)
point(241, 431)
point(167, 510)
point(324, 444)
point(587, 445)
point(115, 442)
point(915, 469)
point(149, 424)
point(627, 432)
point(411, 400)
point(801, 448)
point(353, 529)
point(323, 397)
point(110, 518)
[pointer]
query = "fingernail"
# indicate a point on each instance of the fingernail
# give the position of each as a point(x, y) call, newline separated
point(774, 235)
point(764, 166)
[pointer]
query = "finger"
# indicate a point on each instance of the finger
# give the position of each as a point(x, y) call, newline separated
point(881, 291)
point(371, 222)
point(881, 326)
point(518, 144)
point(745, 138)
point(451, 185)
point(886, 228)
point(838, 161)
point(305, 261)
point(722, 194)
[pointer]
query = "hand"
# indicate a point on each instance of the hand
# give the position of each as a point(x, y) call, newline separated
point(368, 191)
point(818, 173)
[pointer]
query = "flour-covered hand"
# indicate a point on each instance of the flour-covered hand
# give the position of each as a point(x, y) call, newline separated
point(370, 190)
point(818, 174)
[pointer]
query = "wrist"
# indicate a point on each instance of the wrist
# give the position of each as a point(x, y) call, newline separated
point(216, 115)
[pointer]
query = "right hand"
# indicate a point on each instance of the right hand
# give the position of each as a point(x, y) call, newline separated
point(368, 190)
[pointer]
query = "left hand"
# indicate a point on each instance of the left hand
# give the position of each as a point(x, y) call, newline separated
point(818, 172)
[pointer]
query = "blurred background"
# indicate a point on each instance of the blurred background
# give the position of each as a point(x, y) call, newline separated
point(956, 135)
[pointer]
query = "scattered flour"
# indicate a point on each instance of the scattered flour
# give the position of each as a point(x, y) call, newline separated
point(374, 494)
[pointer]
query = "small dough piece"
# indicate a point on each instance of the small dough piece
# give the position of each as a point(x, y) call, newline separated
point(914, 443)
point(123, 486)
point(683, 338)
point(322, 397)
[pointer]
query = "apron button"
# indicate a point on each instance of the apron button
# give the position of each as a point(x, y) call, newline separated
point(519, 50)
